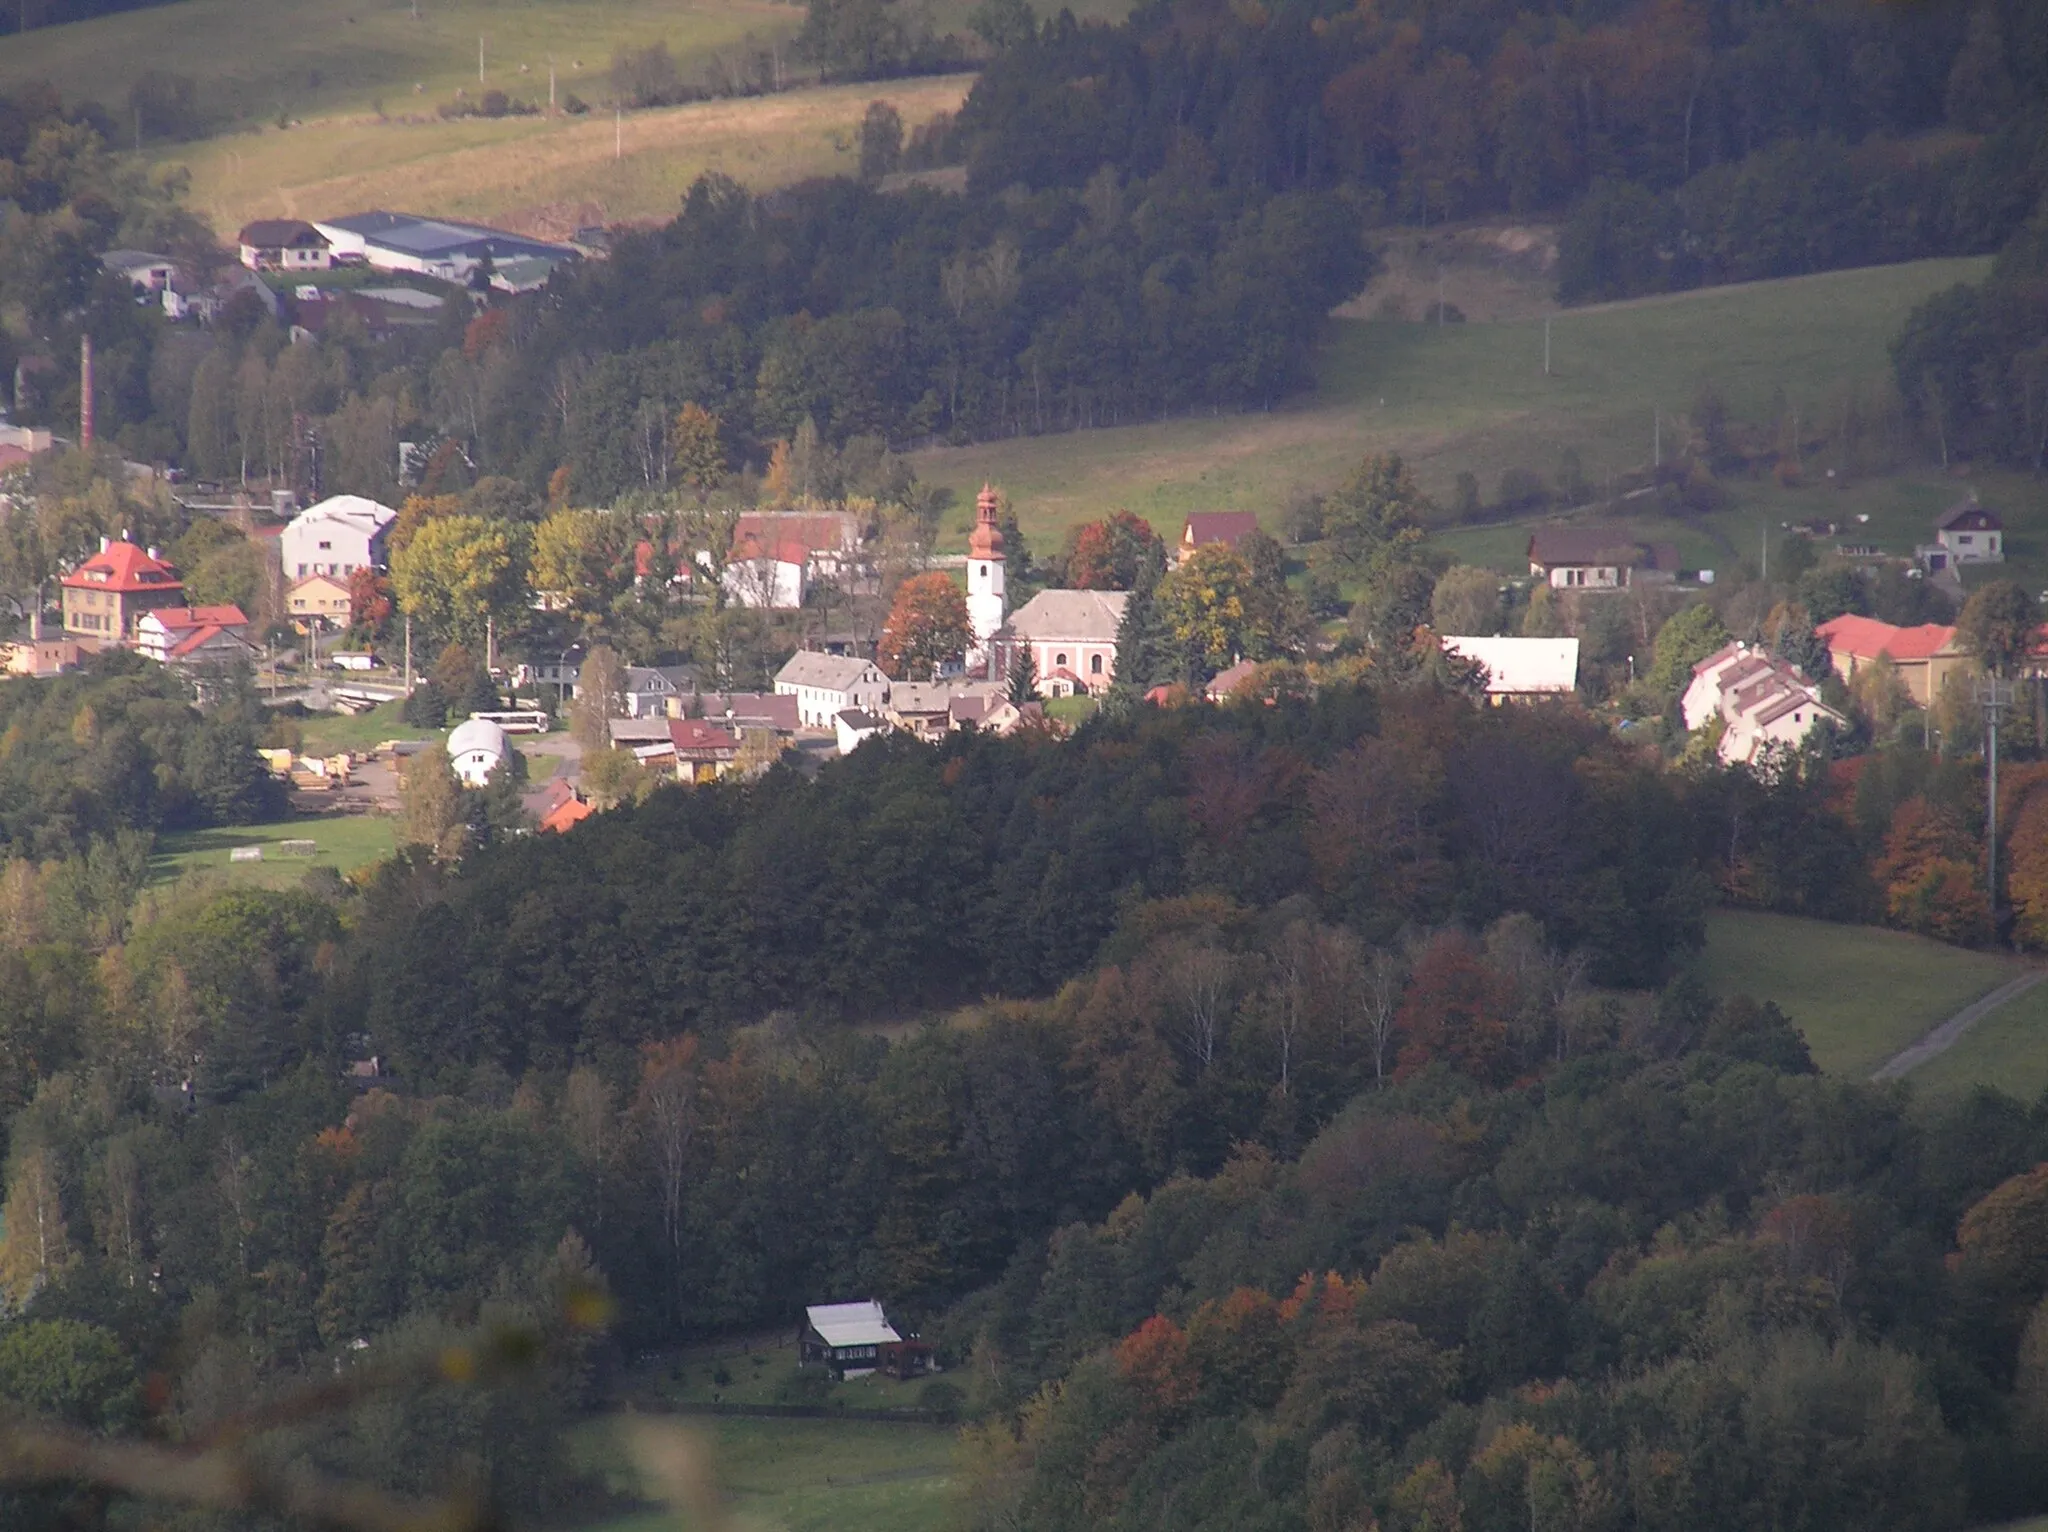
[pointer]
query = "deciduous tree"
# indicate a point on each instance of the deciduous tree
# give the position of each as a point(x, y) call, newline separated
point(928, 627)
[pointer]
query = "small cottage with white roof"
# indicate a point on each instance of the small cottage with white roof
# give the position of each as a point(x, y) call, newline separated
point(855, 1339)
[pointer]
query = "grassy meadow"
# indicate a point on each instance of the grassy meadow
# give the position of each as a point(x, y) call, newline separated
point(1859, 993)
point(1469, 397)
point(343, 842)
point(2007, 1049)
point(804, 1476)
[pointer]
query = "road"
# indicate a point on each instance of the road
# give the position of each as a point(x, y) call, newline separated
point(1944, 1037)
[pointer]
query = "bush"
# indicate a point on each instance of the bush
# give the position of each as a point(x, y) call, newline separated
point(1521, 490)
point(942, 1399)
point(810, 1385)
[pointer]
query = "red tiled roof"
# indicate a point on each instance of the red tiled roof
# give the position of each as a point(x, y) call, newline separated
point(1866, 638)
point(570, 811)
point(696, 734)
point(175, 617)
point(752, 534)
point(123, 567)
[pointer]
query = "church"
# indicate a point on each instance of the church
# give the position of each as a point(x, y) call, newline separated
point(1069, 634)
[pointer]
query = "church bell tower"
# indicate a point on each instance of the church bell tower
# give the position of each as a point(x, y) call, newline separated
point(984, 575)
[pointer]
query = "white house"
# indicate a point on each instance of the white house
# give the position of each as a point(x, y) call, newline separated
point(650, 690)
point(1761, 701)
point(770, 581)
point(1968, 534)
point(1522, 668)
point(826, 685)
point(283, 244)
point(853, 725)
point(193, 635)
point(140, 268)
point(337, 537)
point(476, 748)
point(1071, 635)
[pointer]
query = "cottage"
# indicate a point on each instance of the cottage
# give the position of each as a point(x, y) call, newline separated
point(853, 726)
point(704, 752)
point(825, 685)
point(1598, 558)
point(476, 748)
point(337, 537)
point(1924, 656)
point(319, 598)
point(1522, 669)
point(651, 691)
point(194, 635)
point(143, 270)
point(855, 1339)
point(1225, 682)
point(284, 244)
point(1205, 527)
point(1762, 703)
point(106, 595)
point(1965, 533)
point(1071, 637)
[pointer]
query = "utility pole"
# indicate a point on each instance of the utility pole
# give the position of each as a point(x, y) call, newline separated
point(1439, 297)
point(1994, 696)
point(1656, 437)
point(551, 85)
point(479, 58)
point(1546, 345)
point(618, 132)
point(408, 654)
point(1763, 540)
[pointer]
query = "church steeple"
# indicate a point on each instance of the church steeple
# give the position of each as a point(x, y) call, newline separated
point(985, 603)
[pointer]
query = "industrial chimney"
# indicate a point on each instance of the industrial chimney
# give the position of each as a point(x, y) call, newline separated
point(85, 393)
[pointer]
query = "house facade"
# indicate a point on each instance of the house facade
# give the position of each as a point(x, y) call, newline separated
point(434, 247)
point(1924, 656)
point(193, 635)
point(1071, 637)
point(104, 597)
point(1970, 534)
point(337, 537)
point(652, 691)
point(854, 1339)
point(826, 685)
point(1522, 669)
point(144, 270)
point(1762, 703)
point(319, 598)
point(476, 748)
point(284, 244)
point(1598, 559)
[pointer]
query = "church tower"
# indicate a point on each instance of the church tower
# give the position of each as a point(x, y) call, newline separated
point(984, 575)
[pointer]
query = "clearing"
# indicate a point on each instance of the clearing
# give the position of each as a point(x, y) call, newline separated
point(1858, 993)
point(806, 1475)
point(343, 842)
point(2007, 1050)
point(543, 175)
point(1470, 397)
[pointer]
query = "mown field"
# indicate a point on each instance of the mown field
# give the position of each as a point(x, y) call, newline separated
point(2007, 1049)
point(546, 175)
point(1859, 993)
point(1469, 397)
point(342, 842)
point(805, 1476)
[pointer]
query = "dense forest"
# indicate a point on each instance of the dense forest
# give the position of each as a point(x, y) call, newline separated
point(1382, 985)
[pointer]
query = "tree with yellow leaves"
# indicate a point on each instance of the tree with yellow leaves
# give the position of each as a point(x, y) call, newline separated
point(38, 1245)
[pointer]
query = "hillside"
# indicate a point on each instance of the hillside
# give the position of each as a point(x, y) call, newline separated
point(1470, 397)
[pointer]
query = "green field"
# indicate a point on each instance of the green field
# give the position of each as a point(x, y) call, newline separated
point(1860, 994)
point(761, 1375)
point(2007, 1050)
point(331, 733)
point(1469, 397)
point(343, 842)
point(806, 1476)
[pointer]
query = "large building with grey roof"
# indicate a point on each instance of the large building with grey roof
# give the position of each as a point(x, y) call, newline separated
point(437, 247)
point(1071, 637)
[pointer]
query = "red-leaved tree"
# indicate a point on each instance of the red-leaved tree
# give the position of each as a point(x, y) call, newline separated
point(928, 626)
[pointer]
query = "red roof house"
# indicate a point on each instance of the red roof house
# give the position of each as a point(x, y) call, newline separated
point(106, 595)
point(1226, 527)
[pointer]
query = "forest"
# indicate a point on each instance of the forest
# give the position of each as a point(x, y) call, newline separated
point(1308, 1115)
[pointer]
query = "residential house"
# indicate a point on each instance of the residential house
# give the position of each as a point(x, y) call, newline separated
point(105, 596)
point(1071, 636)
point(825, 685)
point(561, 670)
point(1924, 656)
point(42, 656)
point(1762, 703)
point(851, 726)
point(569, 812)
point(1965, 533)
point(476, 748)
point(852, 1340)
point(925, 708)
point(745, 710)
point(647, 738)
point(284, 244)
point(318, 598)
point(991, 711)
point(651, 689)
point(141, 269)
point(434, 247)
point(1598, 558)
point(1522, 669)
point(1224, 682)
point(776, 556)
point(1205, 527)
point(193, 635)
point(704, 752)
point(340, 535)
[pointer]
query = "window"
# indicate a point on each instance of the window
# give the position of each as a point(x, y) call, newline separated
point(983, 571)
point(1095, 665)
point(325, 546)
point(1060, 660)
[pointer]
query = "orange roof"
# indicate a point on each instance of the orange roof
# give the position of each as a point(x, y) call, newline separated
point(199, 617)
point(986, 540)
point(1867, 638)
point(123, 567)
point(570, 811)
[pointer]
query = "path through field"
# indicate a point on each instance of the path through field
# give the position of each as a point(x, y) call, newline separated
point(1945, 1036)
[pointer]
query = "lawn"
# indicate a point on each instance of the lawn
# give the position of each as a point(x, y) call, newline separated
point(762, 1375)
point(1859, 993)
point(806, 1475)
point(1468, 397)
point(2007, 1049)
point(332, 733)
point(344, 842)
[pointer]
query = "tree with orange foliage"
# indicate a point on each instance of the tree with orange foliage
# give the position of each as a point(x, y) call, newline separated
point(1108, 554)
point(1456, 1009)
point(2026, 870)
point(2001, 1258)
point(1929, 875)
point(369, 603)
point(928, 627)
point(1154, 1359)
point(1240, 1350)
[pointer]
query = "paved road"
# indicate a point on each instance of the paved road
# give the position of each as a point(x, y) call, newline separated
point(1943, 1037)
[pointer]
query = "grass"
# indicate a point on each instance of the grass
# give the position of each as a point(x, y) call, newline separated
point(549, 175)
point(331, 733)
point(802, 1476)
point(759, 1376)
point(2007, 1050)
point(1468, 397)
point(1859, 994)
point(343, 842)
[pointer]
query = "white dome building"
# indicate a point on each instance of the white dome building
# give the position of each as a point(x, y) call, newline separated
point(476, 748)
